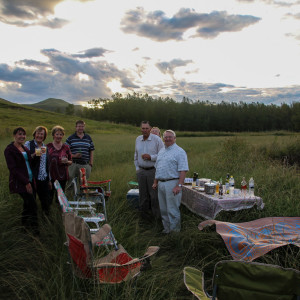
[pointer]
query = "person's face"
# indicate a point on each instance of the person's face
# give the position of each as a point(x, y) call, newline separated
point(39, 136)
point(145, 128)
point(58, 135)
point(169, 139)
point(80, 128)
point(20, 137)
point(155, 131)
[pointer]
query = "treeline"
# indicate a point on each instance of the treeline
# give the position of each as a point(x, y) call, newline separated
point(190, 115)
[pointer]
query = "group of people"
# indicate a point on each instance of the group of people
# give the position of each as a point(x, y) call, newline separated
point(161, 169)
point(161, 166)
point(34, 166)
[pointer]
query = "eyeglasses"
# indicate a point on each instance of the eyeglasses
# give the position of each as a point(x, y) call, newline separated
point(169, 137)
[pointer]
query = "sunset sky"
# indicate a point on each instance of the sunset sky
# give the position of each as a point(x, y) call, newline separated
point(215, 50)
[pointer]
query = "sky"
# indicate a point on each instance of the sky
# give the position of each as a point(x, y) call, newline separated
point(207, 50)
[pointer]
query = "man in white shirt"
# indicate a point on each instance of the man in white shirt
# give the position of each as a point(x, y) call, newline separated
point(147, 147)
point(171, 167)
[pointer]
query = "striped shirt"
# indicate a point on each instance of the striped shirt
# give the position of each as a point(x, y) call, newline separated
point(170, 162)
point(83, 146)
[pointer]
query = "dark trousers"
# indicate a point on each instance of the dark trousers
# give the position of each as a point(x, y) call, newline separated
point(148, 199)
point(29, 214)
point(42, 189)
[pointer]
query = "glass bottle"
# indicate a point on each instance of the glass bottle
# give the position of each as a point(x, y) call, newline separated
point(221, 188)
point(195, 176)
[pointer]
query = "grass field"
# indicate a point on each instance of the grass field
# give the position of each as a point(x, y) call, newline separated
point(34, 268)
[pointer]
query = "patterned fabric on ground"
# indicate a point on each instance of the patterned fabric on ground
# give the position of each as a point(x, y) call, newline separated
point(249, 240)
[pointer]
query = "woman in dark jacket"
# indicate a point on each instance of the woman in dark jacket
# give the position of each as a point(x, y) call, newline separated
point(40, 166)
point(21, 181)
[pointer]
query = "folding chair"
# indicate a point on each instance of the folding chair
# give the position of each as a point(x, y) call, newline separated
point(113, 268)
point(95, 191)
point(80, 207)
point(237, 280)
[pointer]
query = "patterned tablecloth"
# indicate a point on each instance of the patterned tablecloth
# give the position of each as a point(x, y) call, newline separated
point(208, 206)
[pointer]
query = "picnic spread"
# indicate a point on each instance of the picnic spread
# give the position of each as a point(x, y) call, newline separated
point(208, 206)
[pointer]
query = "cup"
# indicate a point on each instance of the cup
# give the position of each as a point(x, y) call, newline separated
point(38, 151)
point(64, 159)
point(43, 149)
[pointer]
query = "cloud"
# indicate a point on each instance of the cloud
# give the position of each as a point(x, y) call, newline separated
point(157, 26)
point(90, 53)
point(273, 2)
point(295, 16)
point(24, 13)
point(218, 92)
point(60, 77)
point(168, 67)
point(217, 22)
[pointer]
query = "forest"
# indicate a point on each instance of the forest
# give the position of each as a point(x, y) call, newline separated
point(189, 115)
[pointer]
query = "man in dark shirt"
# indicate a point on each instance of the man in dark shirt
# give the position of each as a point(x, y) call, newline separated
point(82, 148)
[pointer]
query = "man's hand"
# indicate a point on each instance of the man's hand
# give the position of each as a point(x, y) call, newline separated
point(176, 190)
point(146, 156)
point(77, 155)
point(154, 185)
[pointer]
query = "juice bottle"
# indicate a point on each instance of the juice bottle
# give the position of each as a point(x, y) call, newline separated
point(217, 188)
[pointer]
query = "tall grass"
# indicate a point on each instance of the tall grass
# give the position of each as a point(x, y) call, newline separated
point(37, 268)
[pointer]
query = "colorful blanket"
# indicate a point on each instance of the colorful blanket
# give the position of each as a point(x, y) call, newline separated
point(249, 240)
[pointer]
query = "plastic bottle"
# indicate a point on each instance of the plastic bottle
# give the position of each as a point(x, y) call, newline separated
point(227, 183)
point(251, 187)
point(244, 187)
point(231, 186)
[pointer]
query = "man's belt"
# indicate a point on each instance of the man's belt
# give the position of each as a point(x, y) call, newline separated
point(81, 162)
point(164, 180)
point(150, 168)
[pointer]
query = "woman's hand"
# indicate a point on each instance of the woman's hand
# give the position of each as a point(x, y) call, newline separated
point(49, 185)
point(29, 188)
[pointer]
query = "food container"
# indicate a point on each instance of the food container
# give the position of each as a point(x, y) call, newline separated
point(210, 188)
point(188, 181)
point(202, 181)
point(133, 198)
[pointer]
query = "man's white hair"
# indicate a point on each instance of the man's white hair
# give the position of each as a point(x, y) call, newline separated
point(171, 131)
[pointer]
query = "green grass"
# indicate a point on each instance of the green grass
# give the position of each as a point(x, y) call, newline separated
point(34, 268)
point(37, 268)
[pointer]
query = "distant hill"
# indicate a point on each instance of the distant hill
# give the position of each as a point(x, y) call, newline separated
point(13, 115)
point(55, 105)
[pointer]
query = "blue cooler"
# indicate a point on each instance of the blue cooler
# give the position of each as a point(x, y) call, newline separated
point(133, 198)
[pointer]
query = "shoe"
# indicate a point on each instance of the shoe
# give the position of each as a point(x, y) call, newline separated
point(165, 231)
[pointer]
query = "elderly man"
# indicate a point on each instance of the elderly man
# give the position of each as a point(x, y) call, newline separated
point(82, 148)
point(171, 167)
point(147, 147)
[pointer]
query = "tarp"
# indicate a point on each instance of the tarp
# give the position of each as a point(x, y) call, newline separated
point(249, 240)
